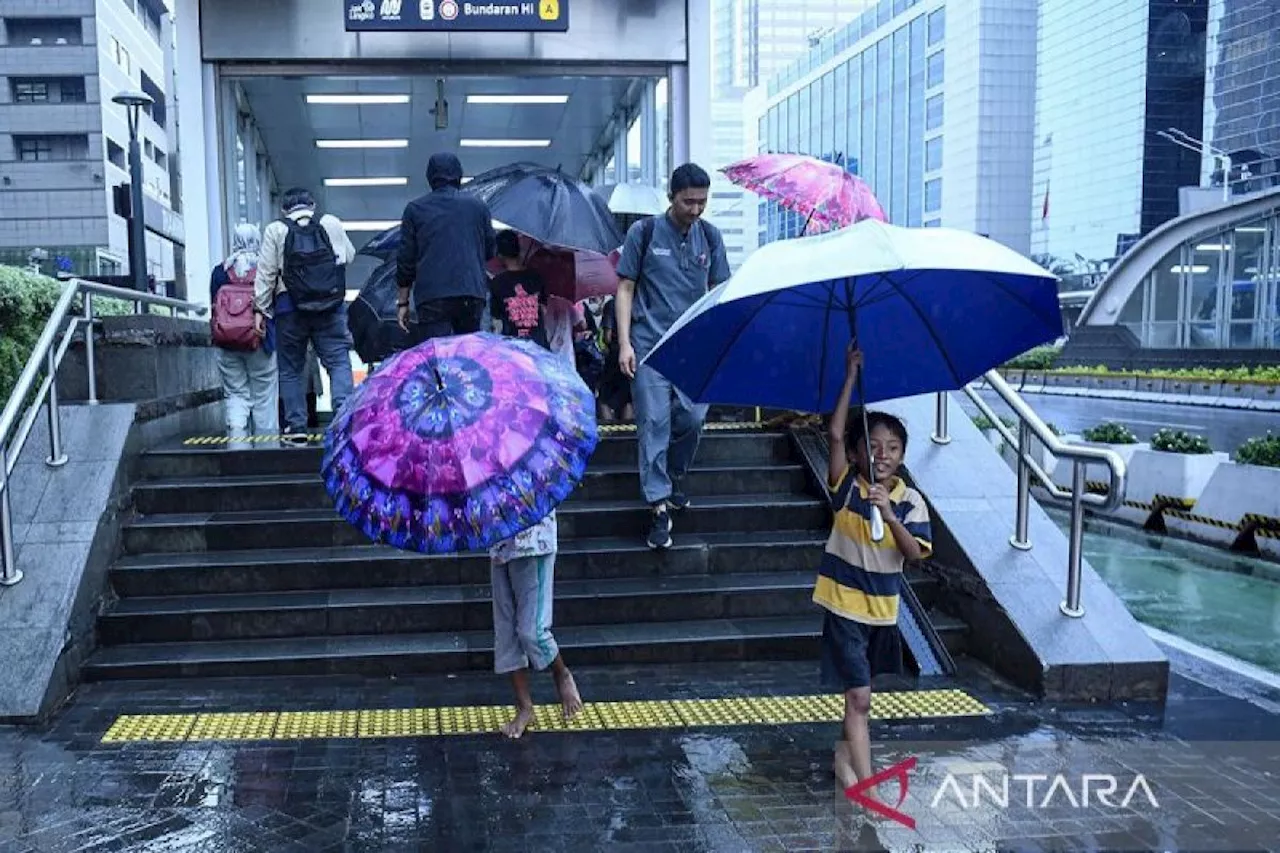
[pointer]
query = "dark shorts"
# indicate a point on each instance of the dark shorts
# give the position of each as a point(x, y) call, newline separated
point(854, 653)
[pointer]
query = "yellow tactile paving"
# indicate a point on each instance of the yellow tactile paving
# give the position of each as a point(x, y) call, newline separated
point(318, 437)
point(484, 719)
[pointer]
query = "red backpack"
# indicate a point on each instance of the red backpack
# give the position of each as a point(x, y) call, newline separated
point(232, 319)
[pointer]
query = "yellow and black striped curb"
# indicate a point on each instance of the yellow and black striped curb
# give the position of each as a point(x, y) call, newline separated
point(318, 437)
point(476, 720)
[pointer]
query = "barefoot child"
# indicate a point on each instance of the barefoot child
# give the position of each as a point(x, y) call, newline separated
point(522, 573)
point(859, 579)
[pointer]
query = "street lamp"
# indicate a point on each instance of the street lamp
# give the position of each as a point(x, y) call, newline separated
point(1189, 142)
point(133, 102)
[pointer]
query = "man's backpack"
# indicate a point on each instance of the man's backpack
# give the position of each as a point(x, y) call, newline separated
point(646, 237)
point(232, 315)
point(314, 279)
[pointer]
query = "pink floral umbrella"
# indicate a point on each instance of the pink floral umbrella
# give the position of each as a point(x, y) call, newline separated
point(825, 192)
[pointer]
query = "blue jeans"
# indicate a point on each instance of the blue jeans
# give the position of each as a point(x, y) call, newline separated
point(327, 332)
point(668, 427)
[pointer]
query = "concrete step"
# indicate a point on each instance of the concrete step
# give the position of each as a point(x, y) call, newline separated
point(240, 493)
point(391, 611)
point(323, 528)
point(752, 448)
point(366, 566)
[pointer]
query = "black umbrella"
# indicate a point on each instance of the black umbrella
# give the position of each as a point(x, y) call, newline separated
point(384, 245)
point(371, 317)
point(548, 206)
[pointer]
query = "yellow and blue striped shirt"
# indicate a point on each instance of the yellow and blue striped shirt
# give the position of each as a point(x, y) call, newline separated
point(860, 579)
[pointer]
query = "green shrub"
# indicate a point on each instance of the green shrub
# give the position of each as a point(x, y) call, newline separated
point(1179, 441)
point(1256, 373)
point(26, 302)
point(1039, 358)
point(1260, 450)
point(1053, 428)
point(1110, 433)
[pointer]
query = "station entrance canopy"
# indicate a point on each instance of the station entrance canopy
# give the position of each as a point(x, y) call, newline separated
point(270, 81)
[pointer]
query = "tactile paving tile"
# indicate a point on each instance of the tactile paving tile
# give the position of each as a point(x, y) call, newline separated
point(305, 725)
point(142, 728)
point(486, 719)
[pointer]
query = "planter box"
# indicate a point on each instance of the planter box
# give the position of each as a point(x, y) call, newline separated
point(1150, 384)
point(1232, 492)
point(1062, 467)
point(1206, 388)
point(1238, 390)
point(1114, 383)
point(1034, 379)
point(1177, 386)
point(1174, 475)
point(1057, 380)
point(1265, 391)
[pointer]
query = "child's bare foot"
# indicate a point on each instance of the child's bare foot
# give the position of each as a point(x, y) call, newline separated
point(842, 765)
point(567, 690)
point(521, 721)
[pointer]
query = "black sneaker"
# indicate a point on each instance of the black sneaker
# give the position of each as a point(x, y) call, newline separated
point(660, 528)
point(679, 500)
point(294, 438)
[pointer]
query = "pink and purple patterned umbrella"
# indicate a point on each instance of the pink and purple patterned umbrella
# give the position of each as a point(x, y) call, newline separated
point(829, 195)
point(459, 443)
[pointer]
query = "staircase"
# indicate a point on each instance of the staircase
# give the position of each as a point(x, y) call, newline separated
point(234, 564)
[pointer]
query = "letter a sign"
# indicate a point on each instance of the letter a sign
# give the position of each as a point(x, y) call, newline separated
point(549, 10)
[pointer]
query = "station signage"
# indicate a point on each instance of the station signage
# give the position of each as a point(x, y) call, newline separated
point(449, 16)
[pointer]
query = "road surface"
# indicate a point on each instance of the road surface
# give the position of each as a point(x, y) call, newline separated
point(1226, 429)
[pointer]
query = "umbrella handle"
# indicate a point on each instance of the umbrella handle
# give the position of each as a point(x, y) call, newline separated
point(877, 522)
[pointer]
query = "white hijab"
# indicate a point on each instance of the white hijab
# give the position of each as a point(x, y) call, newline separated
point(245, 243)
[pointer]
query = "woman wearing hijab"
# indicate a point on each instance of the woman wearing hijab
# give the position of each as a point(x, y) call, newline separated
point(249, 378)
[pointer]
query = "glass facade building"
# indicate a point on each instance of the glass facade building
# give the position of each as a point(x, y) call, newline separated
point(908, 91)
point(1219, 289)
point(1242, 92)
point(1103, 175)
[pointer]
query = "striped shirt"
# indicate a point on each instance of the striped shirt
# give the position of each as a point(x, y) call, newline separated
point(860, 579)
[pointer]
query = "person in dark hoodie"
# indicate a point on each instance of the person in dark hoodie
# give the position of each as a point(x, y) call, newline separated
point(446, 237)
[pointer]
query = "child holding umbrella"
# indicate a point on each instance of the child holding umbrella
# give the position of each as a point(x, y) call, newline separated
point(860, 576)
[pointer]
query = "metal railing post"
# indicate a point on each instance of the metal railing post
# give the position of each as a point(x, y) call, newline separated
point(10, 574)
point(1021, 537)
point(1075, 544)
point(56, 457)
point(90, 355)
point(941, 431)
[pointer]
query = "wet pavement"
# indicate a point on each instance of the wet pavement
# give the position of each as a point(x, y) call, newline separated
point(735, 788)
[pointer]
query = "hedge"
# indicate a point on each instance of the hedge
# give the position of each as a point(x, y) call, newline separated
point(1046, 359)
point(26, 301)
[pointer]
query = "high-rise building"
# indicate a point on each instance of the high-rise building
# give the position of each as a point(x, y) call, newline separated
point(751, 41)
point(1242, 92)
point(1111, 78)
point(64, 144)
point(929, 101)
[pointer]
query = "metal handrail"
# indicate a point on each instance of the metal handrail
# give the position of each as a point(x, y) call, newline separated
point(1080, 455)
point(47, 357)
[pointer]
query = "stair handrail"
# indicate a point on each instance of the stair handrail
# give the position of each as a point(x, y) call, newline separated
point(1080, 455)
point(46, 356)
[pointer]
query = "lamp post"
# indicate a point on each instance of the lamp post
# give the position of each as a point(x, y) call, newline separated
point(133, 102)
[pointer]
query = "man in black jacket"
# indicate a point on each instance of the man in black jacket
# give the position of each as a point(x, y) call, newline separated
point(446, 237)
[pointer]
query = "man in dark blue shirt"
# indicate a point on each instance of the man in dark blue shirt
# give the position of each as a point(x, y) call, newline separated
point(446, 237)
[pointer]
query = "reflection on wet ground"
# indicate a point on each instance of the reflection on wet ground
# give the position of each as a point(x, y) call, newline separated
point(746, 788)
point(1227, 602)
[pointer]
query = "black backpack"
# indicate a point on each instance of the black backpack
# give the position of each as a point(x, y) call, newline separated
point(314, 279)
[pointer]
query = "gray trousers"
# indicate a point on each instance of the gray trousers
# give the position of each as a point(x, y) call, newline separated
point(668, 428)
point(251, 384)
point(522, 598)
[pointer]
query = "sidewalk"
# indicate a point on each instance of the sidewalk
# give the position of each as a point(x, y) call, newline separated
point(723, 786)
point(1217, 395)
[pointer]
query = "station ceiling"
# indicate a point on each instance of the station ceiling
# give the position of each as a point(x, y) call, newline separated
point(297, 115)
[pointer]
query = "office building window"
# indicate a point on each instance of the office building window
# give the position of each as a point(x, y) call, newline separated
point(933, 154)
point(44, 32)
point(933, 195)
point(120, 55)
point(933, 113)
point(933, 75)
point(30, 93)
point(937, 26)
point(52, 147)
